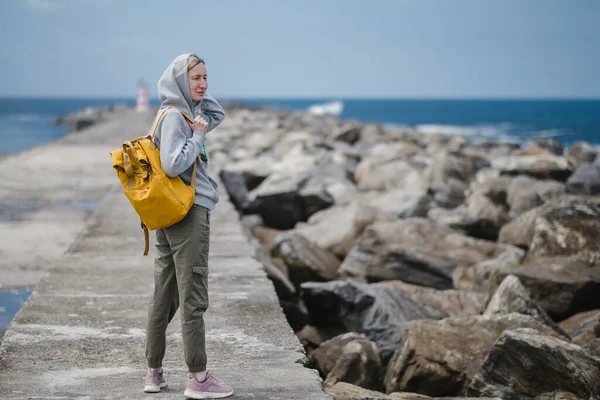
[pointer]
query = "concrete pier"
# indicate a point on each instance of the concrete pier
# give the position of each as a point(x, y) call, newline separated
point(81, 335)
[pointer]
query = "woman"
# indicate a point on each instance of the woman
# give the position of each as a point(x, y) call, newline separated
point(181, 264)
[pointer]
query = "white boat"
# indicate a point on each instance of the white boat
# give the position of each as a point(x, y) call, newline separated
point(333, 108)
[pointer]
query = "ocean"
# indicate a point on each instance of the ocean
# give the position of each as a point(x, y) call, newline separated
point(26, 122)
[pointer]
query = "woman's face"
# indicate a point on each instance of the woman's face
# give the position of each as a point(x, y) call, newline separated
point(198, 83)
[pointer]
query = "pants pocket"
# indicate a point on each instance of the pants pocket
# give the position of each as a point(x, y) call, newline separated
point(200, 286)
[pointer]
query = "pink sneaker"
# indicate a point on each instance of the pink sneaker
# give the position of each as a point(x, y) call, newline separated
point(155, 381)
point(209, 389)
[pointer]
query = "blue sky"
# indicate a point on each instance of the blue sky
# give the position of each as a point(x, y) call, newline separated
point(307, 48)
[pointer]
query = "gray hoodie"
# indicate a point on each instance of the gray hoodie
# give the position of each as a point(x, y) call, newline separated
point(178, 145)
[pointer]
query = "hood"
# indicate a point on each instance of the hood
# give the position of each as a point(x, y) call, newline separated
point(174, 88)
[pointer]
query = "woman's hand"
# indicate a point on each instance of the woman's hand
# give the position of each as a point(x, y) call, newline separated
point(199, 125)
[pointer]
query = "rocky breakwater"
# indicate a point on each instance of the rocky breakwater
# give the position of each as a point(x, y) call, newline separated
point(414, 266)
point(85, 118)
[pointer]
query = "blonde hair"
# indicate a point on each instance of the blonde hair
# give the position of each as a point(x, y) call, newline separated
point(194, 60)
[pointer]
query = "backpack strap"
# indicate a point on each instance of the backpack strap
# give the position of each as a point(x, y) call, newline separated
point(189, 120)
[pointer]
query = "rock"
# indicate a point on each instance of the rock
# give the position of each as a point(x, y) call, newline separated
point(562, 286)
point(582, 153)
point(522, 196)
point(377, 311)
point(452, 194)
point(541, 166)
point(585, 180)
point(550, 190)
point(306, 261)
point(312, 337)
point(346, 391)
point(372, 132)
point(349, 133)
point(477, 277)
point(403, 203)
point(548, 145)
point(584, 329)
point(350, 358)
point(254, 171)
point(284, 199)
point(415, 251)
point(265, 236)
point(439, 358)
point(235, 184)
point(442, 303)
point(520, 231)
point(448, 176)
point(511, 296)
point(558, 366)
point(337, 228)
point(344, 192)
point(567, 230)
point(485, 210)
point(295, 313)
point(448, 217)
point(374, 175)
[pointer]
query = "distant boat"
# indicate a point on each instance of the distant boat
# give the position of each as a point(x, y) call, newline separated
point(333, 108)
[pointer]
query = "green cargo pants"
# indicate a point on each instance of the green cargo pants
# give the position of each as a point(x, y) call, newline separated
point(180, 278)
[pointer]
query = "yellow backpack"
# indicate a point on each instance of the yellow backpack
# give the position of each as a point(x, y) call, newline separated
point(159, 200)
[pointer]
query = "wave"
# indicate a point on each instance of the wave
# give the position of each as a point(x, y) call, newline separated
point(332, 108)
point(463, 130)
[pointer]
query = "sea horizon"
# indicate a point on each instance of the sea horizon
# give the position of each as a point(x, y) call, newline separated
point(27, 121)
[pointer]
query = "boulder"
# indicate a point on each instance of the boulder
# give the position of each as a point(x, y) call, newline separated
point(442, 303)
point(403, 203)
point(511, 296)
point(558, 365)
point(562, 286)
point(567, 230)
point(337, 228)
point(522, 196)
point(286, 198)
point(520, 231)
point(585, 180)
point(373, 174)
point(253, 170)
point(305, 261)
point(485, 210)
point(548, 145)
point(235, 185)
point(414, 250)
point(584, 329)
point(312, 337)
point(346, 391)
point(377, 311)
point(477, 277)
point(540, 166)
point(349, 133)
point(449, 174)
point(439, 358)
point(582, 153)
point(350, 358)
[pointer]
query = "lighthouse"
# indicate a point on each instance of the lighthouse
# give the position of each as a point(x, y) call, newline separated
point(142, 104)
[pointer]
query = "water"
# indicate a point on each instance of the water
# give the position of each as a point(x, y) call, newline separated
point(502, 120)
point(25, 123)
point(11, 301)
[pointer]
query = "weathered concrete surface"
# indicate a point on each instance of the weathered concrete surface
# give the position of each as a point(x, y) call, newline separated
point(48, 193)
point(81, 334)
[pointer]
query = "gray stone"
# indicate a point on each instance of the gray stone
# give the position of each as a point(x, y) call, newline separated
point(586, 180)
point(558, 366)
point(381, 313)
point(439, 358)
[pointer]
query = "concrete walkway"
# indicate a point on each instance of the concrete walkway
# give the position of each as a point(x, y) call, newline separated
point(81, 334)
